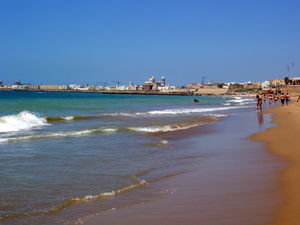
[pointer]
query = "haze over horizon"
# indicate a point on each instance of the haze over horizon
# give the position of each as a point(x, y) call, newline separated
point(104, 41)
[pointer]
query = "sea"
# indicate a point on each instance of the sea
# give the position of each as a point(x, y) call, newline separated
point(63, 155)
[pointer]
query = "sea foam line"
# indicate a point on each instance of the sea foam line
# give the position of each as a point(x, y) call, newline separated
point(174, 127)
point(175, 111)
point(58, 134)
point(242, 100)
point(164, 112)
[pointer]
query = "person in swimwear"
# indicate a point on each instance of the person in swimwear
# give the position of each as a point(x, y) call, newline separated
point(282, 99)
point(258, 102)
point(287, 98)
point(275, 98)
point(270, 99)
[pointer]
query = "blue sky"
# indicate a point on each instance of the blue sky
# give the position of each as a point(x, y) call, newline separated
point(72, 41)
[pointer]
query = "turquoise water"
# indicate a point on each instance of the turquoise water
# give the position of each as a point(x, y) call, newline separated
point(58, 150)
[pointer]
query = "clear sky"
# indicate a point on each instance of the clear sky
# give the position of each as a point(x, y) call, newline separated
point(72, 41)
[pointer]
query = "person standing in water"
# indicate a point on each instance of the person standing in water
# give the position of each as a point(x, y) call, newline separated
point(270, 99)
point(258, 102)
point(287, 98)
point(275, 98)
point(282, 99)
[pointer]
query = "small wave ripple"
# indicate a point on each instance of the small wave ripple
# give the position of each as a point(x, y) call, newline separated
point(58, 134)
point(166, 128)
point(175, 111)
point(69, 202)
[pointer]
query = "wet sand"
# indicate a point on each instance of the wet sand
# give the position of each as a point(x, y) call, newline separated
point(283, 141)
point(238, 184)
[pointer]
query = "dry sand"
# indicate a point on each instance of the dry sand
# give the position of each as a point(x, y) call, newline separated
point(284, 141)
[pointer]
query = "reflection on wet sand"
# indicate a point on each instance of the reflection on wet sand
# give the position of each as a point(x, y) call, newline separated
point(260, 117)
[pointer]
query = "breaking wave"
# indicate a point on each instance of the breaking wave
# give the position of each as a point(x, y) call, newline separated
point(174, 127)
point(240, 100)
point(165, 112)
point(68, 118)
point(59, 134)
point(209, 118)
point(21, 121)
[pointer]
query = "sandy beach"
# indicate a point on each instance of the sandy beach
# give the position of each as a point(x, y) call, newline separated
point(282, 140)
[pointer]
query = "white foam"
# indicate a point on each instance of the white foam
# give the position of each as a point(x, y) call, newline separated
point(120, 114)
point(187, 111)
point(166, 128)
point(21, 121)
point(68, 118)
point(216, 115)
point(164, 142)
point(241, 100)
point(175, 111)
point(59, 134)
point(109, 130)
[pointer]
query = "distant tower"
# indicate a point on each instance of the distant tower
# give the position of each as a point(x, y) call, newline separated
point(152, 79)
point(163, 81)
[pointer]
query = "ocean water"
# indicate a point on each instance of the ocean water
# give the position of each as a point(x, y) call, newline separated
point(60, 151)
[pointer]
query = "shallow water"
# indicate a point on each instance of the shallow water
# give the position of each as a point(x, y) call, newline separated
point(61, 150)
point(232, 180)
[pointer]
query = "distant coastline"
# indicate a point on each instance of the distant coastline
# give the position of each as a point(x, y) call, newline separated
point(175, 92)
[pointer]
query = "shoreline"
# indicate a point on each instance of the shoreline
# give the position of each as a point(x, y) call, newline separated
point(238, 185)
point(282, 141)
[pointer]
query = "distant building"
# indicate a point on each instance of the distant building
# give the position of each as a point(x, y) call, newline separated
point(147, 87)
point(163, 81)
point(235, 86)
point(107, 88)
point(195, 85)
point(276, 82)
point(150, 84)
point(33, 86)
point(265, 84)
point(166, 87)
point(52, 87)
point(18, 86)
point(132, 87)
point(295, 81)
point(121, 88)
point(92, 88)
point(252, 85)
point(77, 87)
point(99, 88)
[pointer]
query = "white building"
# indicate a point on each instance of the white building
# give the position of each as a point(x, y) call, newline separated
point(121, 88)
point(79, 87)
point(265, 84)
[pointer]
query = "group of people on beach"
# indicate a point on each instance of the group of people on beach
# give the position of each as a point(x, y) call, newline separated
point(271, 98)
